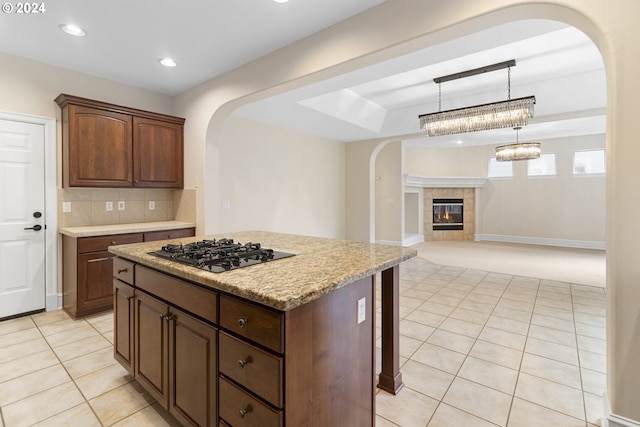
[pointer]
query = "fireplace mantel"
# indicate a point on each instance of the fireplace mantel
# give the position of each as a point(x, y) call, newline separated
point(444, 182)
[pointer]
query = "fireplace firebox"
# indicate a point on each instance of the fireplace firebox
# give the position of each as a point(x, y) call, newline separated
point(448, 214)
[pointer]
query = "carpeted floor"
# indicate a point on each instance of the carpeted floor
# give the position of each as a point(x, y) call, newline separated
point(579, 266)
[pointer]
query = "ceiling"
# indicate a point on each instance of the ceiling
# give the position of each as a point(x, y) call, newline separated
point(125, 40)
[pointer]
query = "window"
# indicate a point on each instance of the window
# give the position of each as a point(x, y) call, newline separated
point(588, 162)
point(500, 169)
point(545, 165)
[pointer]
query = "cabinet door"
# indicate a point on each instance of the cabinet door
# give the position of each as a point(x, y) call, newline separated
point(123, 331)
point(157, 154)
point(95, 286)
point(100, 148)
point(151, 348)
point(193, 364)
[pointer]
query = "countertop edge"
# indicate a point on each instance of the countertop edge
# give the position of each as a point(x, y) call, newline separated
point(249, 283)
point(111, 229)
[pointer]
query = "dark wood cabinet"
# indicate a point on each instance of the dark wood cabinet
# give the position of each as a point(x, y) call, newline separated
point(157, 154)
point(176, 360)
point(87, 273)
point(106, 145)
point(215, 359)
point(123, 333)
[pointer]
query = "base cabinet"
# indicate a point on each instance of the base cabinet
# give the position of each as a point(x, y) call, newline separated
point(248, 365)
point(173, 356)
point(88, 268)
point(123, 332)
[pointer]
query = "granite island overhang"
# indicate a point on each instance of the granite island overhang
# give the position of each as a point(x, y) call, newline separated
point(320, 266)
point(315, 280)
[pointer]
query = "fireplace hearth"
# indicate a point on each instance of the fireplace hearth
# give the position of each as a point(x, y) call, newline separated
point(448, 214)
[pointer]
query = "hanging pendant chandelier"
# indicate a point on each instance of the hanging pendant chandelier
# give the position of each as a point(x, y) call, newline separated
point(495, 115)
point(518, 151)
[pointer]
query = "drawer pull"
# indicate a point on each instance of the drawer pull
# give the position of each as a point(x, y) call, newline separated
point(99, 259)
point(242, 363)
point(113, 242)
point(123, 270)
point(243, 412)
point(242, 322)
point(169, 236)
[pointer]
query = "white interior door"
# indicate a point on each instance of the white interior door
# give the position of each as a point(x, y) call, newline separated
point(22, 218)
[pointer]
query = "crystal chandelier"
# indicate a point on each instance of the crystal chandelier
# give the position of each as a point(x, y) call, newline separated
point(518, 151)
point(495, 115)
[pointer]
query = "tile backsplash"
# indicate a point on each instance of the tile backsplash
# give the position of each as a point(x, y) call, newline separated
point(88, 206)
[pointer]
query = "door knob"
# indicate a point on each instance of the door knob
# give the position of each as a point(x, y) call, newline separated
point(36, 227)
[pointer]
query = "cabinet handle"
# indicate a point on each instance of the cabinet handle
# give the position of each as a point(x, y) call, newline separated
point(243, 412)
point(113, 242)
point(242, 322)
point(99, 259)
point(123, 270)
point(169, 317)
point(169, 236)
point(242, 363)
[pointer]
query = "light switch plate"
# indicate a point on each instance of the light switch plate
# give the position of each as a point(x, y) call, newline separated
point(121, 205)
point(152, 205)
point(109, 206)
point(362, 309)
point(66, 207)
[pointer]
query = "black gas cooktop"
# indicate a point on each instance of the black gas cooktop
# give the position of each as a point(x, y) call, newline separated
point(219, 255)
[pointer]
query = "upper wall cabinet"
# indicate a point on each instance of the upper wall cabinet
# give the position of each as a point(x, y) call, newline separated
point(107, 145)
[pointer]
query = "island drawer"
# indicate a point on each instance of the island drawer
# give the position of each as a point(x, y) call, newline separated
point(123, 270)
point(255, 369)
point(185, 295)
point(101, 243)
point(253, 322)
point(240, 409)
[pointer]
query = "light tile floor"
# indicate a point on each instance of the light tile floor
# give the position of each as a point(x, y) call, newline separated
point(486, 349)
point(478, 349)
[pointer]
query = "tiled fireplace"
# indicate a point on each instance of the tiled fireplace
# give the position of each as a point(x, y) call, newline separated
point(447, 202)
point(458, 192)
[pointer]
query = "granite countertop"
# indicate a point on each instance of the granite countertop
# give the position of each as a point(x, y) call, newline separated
point(106, 230)
point(320, 266)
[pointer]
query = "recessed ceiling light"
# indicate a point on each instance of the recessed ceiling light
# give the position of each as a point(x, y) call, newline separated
point(168, 62)
point(74, 30)
point(281, 1)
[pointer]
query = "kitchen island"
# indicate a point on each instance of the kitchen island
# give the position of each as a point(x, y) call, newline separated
point(286, 342)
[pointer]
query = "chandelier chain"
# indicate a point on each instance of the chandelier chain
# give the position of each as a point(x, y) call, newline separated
point(509, 83)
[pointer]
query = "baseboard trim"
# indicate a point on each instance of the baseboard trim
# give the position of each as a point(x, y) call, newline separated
point(412, 239)
point(389, 242)
point(54, 301)
point(613, 420)
point(578, 244)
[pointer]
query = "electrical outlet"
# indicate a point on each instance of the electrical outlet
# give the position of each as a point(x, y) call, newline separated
point(109, 206)
point(152, 205)
point(66, 207)
point(121, 205)
point(362, 309)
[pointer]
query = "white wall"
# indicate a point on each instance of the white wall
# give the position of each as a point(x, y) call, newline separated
point(276, 179)
point(563, 210)
point(389, 200)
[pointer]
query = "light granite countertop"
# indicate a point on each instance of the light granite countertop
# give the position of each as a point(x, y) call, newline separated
point(319, 267)
point(107, 230)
